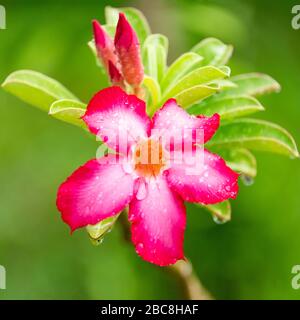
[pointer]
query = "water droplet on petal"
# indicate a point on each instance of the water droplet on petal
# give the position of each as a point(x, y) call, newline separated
point(247, 180)
point(139, 246)
point(142, 191)
point(127, 167)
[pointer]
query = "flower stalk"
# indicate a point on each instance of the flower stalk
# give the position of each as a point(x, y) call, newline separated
point(191, 284)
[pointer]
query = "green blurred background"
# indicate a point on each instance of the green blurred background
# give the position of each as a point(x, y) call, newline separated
point(250, 257)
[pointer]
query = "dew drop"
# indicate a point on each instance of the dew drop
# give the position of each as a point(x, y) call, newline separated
point(247, 180)
point(99, 241)
point(218, 220)
point(127, 167)
point(142, 191)
point(139, 246)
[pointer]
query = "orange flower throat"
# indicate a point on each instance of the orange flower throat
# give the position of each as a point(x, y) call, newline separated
point(149, 158)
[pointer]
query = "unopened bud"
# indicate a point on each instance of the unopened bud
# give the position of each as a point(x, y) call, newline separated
point(115, 76)
point(128, 49)
point(104, 45)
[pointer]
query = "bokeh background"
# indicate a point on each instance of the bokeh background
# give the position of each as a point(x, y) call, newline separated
point(248, 258)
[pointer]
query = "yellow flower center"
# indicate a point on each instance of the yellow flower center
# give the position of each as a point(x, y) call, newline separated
point(149, 158)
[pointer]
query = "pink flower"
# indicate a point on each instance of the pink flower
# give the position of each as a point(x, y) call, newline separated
point(155, 191)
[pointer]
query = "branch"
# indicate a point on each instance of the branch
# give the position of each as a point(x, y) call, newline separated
point(191, 284)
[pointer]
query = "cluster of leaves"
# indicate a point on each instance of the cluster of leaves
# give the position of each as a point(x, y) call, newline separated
point(201, 83)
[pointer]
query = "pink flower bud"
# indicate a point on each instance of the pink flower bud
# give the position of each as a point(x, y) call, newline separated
point(115, 76)
point(128, 50)
point(104, 45)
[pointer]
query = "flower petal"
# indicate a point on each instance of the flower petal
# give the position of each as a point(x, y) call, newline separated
point(94, 192)
point(175, 122)
point(158, 224)
point(119, 119)
point(208, 183)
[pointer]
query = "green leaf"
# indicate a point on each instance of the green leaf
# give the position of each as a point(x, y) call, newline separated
point(228, 107)
point(154, 53)
point(153, 90)
point(135, 18)
point(255, 134)
point(112, 15)
point(69, 111)
point(110, 29)
point(225, 84)
point(252, 84)
point(221, 212)
point(36, 88)
point(157, 39)
point(194, 94)
point(98, 231)
point(179, 68)
point(214, 52)
point(241, 161)
point(200, 76)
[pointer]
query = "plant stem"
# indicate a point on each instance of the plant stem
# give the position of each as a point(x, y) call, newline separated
point(192, 286)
